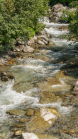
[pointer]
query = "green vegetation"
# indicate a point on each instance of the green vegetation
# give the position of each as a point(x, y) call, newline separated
point(19, 18)
point(72, 17)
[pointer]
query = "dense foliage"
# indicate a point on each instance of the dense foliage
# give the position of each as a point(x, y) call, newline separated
point(72, 17)
point(20, 18)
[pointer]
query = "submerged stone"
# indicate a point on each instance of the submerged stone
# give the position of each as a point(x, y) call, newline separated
point(22, 87)
point(62, 75)
point(66, 136)
point(23, 120)
point(43, 57)
point(15, 112)
point(29, 112)
point(48, 97)
point(20, 125)
point(53, 84)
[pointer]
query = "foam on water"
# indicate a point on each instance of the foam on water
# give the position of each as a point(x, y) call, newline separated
point(61, 109)
point(63, 42)
point(54, 25)
point(55, 33)
point(9, 99)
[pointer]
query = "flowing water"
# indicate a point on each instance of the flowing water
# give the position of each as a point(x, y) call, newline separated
point(24, 91)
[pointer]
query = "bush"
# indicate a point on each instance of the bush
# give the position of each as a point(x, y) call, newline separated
point(72, 18)
point(20, 18)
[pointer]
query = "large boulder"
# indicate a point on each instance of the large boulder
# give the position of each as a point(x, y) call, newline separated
point(57, 13)
point(57, 7)
point(55, 17)
point(43, 119)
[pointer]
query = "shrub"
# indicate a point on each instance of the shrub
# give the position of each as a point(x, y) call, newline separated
point(20, 18)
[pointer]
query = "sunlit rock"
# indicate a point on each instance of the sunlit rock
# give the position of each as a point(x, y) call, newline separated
point(37, 136)
point(28, 49)
point(43, 119)
point(29, 136)
point(18, 132)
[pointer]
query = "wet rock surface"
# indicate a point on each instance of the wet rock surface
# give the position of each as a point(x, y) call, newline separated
point(15, 112)
point(29, 112)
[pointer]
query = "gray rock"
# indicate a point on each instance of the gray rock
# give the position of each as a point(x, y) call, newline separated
point(16, 50)
point(46, 42)
point(57, 7)
point(40, 42)
point(55, 17)
point(31, 41)
point(28, 49)
point(57, 12)
point(43, 37)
